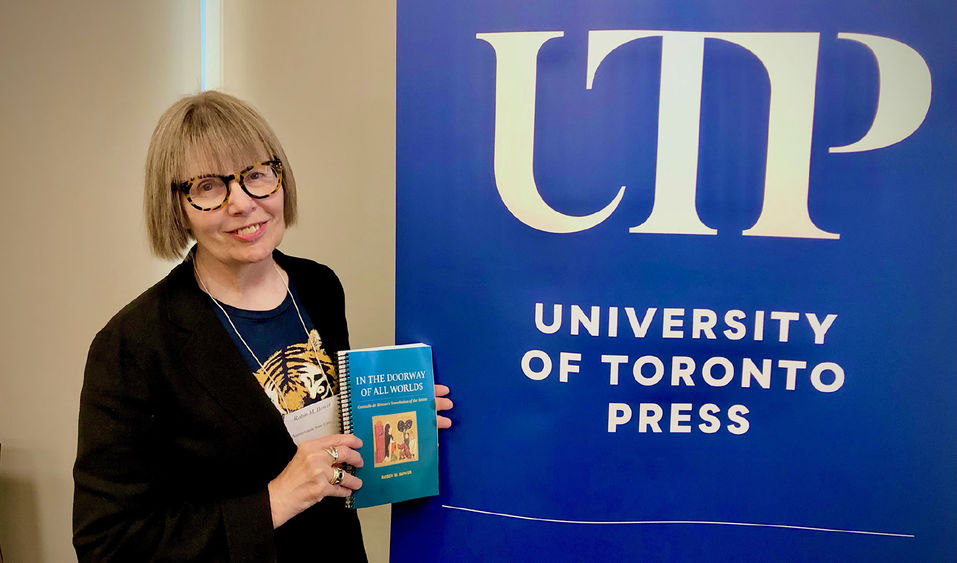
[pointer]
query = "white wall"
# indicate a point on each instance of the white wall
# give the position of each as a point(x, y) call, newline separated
point(84, 83)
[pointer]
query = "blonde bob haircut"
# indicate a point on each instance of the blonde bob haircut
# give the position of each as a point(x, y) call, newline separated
point(214, 128)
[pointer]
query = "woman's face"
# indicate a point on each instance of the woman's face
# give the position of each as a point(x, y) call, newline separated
point(243, 231)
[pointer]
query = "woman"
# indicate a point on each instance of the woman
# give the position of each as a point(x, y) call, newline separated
point(182, 452)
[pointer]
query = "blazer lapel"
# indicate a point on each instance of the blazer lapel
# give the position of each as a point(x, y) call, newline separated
point(210, 355)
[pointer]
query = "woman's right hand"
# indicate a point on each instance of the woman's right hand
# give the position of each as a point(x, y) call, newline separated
point(308, 477)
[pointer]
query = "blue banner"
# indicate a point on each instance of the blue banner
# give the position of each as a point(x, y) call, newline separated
point(690, 270)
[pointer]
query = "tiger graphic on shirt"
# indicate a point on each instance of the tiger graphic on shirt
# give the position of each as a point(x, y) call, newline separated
point(293, 377)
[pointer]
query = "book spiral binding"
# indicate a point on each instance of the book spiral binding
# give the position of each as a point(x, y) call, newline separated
point(345, 406)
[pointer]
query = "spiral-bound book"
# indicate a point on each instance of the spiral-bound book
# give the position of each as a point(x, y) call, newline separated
point(387, 399)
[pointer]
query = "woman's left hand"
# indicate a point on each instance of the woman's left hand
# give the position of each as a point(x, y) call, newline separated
point(442, 403)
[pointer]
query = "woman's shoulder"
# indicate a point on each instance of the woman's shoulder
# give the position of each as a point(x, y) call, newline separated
point(149, 311)
point(304, 268)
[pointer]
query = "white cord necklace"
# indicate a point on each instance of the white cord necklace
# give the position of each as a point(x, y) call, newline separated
point(272, 379)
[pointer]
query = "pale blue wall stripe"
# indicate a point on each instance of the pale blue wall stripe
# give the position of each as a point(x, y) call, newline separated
point(203, 65)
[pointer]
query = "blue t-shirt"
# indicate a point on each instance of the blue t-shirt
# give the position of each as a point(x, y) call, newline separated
point(290, 374)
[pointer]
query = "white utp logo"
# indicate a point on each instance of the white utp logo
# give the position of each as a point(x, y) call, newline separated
point(790, 60)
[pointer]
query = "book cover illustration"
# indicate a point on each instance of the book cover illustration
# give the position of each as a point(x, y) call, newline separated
point(395, 438)
point(388, 400)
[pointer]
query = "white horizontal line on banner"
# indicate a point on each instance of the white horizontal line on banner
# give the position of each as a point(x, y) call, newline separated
point(635, 522)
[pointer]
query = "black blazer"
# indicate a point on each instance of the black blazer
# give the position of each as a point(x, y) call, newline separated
point(177, 440)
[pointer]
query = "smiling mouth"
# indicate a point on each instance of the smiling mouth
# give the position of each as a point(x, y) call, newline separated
point(248, 230)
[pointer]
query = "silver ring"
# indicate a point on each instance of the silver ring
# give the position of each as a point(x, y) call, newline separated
point(334, 452)
point(337, 475)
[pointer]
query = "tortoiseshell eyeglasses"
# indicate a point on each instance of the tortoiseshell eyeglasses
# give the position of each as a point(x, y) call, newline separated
point(211, 191)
